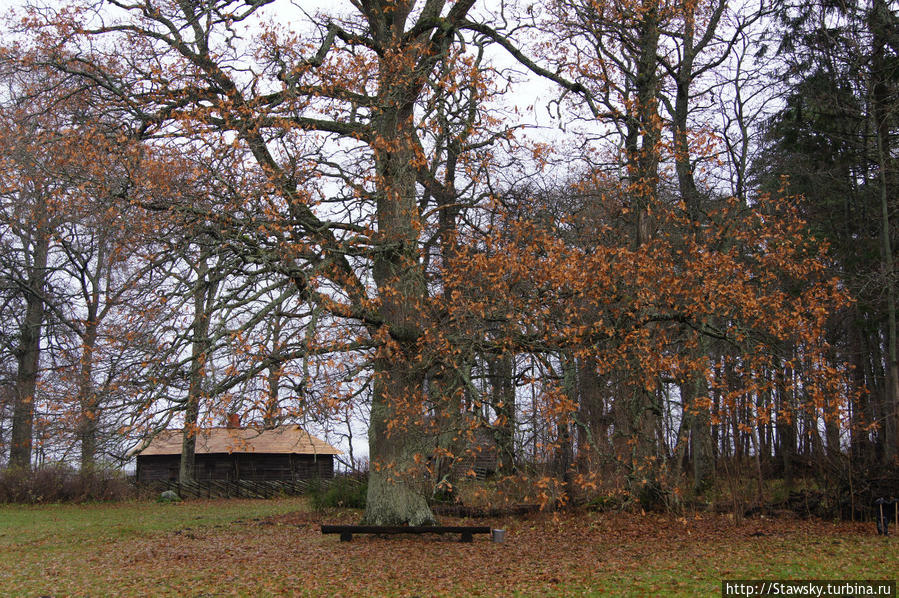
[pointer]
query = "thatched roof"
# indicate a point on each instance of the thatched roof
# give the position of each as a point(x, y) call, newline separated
point(285, 440)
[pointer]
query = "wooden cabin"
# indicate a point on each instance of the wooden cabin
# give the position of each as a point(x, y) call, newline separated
point(286, 453)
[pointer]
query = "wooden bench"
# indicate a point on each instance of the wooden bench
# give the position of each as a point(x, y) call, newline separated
point(346, 531)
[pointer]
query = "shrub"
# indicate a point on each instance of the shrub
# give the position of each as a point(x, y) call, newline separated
point(613, 501)
point(344, 492)
point(61, 483)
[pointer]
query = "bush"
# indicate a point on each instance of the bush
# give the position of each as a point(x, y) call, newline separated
point(611, 501)
point(61, 483)
point(344, 492)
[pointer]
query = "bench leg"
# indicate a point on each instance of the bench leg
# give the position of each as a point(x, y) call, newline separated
point(467, 537)
point(346, 536)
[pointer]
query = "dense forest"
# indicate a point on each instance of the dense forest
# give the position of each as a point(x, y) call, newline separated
point(644, 247)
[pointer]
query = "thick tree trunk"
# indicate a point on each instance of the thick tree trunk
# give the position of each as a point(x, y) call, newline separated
point(395, 483)
point(564, 454)
point(685, 180)
point(405, 63)
point(637, 414)
point(28, 355)
point(644, 159)
point(87, 399)
point(452, 425)
point(593, 433)
point(203, 296)
point(696, 414)
point(448, 382)
point(501, 372)
point(395, 494)
point(696, 390)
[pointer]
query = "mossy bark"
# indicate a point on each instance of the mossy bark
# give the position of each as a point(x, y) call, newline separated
point(397, 447)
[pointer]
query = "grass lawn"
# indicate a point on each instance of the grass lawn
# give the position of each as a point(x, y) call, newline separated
point(274, 548)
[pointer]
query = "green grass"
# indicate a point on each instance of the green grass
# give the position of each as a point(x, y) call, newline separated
point(70, 524)
point(37, 542)
point(274, 548)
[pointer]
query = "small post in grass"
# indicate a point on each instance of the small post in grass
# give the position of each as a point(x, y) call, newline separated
point(882, 517)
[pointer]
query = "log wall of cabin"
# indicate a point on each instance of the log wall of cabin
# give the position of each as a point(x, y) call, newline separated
point(238, 466)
